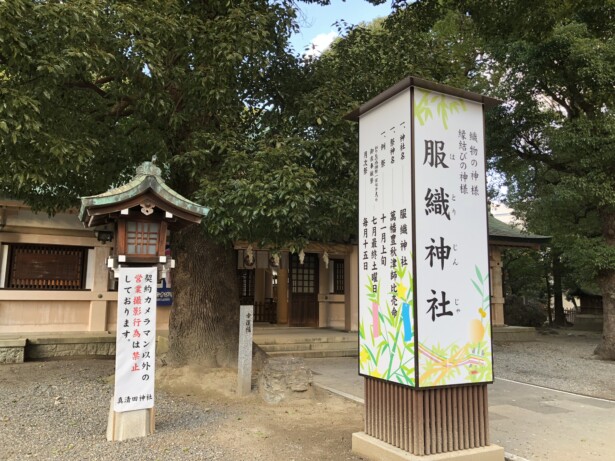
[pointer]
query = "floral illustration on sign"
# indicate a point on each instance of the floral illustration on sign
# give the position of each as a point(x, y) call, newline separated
point(387, 348)
point(472, 361)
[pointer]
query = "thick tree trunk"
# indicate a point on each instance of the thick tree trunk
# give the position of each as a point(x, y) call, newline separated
point(606, 348)
point(549, 313)
point(204, 322)
point(558, 302)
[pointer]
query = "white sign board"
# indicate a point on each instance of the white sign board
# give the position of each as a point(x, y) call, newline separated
point(135, 358)
point(424, 305)
point(386, 323)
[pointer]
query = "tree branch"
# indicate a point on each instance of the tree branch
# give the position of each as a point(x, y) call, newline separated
point(537, 156)
point(561, 101)
point(119, 109)
point(88, 86)
point(103, 80)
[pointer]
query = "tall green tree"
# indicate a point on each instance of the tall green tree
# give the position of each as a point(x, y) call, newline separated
point(89, 89)
point(553, 62)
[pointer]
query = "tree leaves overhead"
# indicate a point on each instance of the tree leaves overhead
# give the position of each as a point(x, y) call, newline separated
point(91, 89)
point(554, 138)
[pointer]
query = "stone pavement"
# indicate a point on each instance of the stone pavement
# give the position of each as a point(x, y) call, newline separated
point(530, 422)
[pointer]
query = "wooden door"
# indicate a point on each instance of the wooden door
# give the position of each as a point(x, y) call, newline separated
point(304, 291)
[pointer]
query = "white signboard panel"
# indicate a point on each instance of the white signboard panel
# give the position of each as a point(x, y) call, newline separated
point(386, 323)
point(424, 300)
point(135, 357)
point(452, 272)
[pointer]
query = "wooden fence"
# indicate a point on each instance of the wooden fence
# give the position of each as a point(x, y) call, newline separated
point(266, 312)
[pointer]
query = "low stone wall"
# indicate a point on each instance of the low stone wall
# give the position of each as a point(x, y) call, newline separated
point(509, 334)
point(588, 322)
point(46, 348)
point(16, 350)
point(12, 350)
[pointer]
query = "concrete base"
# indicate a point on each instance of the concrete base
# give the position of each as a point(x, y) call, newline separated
point(372, 448)
point(70, 345)
point(129, 424)
point(12, 350)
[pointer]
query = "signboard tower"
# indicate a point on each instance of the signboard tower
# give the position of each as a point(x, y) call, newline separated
point(424, 302)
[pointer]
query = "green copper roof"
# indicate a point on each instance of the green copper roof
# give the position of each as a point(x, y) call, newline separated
point(147, 178)
point(500, 231)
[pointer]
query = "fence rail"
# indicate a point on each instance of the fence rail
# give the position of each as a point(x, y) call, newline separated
point(266, 312)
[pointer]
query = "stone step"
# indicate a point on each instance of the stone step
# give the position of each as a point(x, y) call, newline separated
point(265, 339)
point(311, 354)
point(309, 346)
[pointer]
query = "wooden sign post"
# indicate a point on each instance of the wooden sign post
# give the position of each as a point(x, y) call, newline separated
point(132, 409)
point(141, 212)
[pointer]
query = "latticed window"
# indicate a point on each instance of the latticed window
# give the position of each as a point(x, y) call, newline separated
point(245, 278)
point(338, 276)
point(304, 277)
point(142, 237)
point(46, 267)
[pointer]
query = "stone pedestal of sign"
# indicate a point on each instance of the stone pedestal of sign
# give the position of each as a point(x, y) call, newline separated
point(244, 360)
point(372, 448)
point(129, 424)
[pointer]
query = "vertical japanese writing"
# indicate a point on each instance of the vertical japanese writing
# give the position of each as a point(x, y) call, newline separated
point(135, 344)
point(474, 175)
point(452, 286)
point(385, 312)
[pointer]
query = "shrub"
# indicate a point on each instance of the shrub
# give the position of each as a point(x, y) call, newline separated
point(521, 313)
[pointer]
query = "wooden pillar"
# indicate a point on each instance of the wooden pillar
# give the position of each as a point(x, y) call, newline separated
point(97, 320)
point(351, 290)
point(282, 296)
point(323, 293)
point(268, 284)
point(497, 292)
point(259, 285)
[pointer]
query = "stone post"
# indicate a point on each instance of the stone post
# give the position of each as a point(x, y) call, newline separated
point(497, 292)
point(244, 360)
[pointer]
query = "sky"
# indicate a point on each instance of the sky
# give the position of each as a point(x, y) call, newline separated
point(316, 21)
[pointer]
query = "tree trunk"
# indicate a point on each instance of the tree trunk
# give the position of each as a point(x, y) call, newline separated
point(549, 314)
point(558, 303)
point(204, 322)
point(606, 348)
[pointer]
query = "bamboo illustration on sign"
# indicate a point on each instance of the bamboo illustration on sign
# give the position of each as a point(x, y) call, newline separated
point(443, 364)
point(387, 349)
point(423, 111)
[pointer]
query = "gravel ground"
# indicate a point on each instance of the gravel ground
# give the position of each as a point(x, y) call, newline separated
point(559, 359)
point(57, 410)
point(63, 416)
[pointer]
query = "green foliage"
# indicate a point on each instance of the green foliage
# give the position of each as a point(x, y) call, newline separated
point(91, 89)
point(554, 138)
point(525, 273)
point(521, 313)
